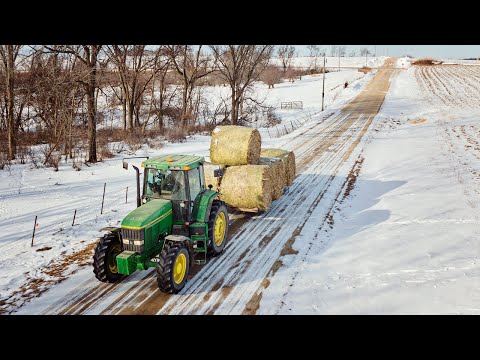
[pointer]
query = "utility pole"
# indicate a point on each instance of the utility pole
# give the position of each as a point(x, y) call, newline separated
point(339, 58)
point(375, 50)
point(323, 85)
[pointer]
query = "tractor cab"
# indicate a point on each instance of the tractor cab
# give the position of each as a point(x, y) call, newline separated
point(177, 178)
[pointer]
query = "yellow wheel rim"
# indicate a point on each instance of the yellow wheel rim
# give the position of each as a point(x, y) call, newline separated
point(112, 259)
point(219, 230)
point(179, 268)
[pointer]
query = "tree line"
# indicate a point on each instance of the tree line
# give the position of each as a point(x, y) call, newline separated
point(56, 89)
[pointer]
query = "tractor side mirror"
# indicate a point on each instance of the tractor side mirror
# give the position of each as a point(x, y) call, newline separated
point(125, 165)
point(218, 173)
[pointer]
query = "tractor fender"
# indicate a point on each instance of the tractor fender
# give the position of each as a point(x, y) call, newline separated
point(188, 243)
point(203, 205)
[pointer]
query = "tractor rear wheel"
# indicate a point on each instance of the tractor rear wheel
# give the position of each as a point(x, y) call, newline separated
point(104, 258)
point(173, 267)
point(217, 228)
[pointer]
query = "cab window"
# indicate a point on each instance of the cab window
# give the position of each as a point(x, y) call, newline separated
point(195, 183)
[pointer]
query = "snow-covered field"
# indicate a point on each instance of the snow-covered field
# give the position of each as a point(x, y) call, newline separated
point(407, 238)
point(401, 237)
point(54, 196)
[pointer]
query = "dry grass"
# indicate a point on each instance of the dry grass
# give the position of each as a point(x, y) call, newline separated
point(104, 152)
point(417, 121)
point(426, 62)
point(55, 272)
point(176, 135)
point(365, 69)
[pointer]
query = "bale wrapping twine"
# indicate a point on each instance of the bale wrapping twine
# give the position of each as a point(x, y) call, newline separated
point(235, 145)
point(247, 187)
point(278, 175)
point(288, 159)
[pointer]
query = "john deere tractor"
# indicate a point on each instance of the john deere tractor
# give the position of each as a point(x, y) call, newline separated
point(178, 222)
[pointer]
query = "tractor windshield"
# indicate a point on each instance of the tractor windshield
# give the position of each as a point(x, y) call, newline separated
point(165, 184)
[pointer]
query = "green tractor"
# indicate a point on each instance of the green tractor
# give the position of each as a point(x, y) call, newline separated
point(177, 222)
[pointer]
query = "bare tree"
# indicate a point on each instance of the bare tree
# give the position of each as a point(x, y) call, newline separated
point(8, 55)
point(364, 51)
point(315, 52)
point(164, 94)
point(136, 68)
point(191, 64)
point(352, 53)
point(333, 50)
point(286, 53)
point(342, 50)
point(55, 96)
point(271, 75)
point(88, 55)
point(240, 66)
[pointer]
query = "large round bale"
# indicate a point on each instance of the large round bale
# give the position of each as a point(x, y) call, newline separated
point(288, 158)
point(278, 175)
point(235, 145)
point(247, 187)
point(208, 169)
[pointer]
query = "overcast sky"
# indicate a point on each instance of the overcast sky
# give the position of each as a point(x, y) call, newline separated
point(440, 51)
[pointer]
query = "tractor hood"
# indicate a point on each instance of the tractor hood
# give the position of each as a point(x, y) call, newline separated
point(148, 214)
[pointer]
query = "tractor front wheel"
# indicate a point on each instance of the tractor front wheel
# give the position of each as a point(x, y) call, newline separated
point(217, 228)
point(104, 259)
point(173, 267)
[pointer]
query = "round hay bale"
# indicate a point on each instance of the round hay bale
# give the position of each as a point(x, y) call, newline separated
point(278, 175)
point(208, 169)
point(288, 158)
point(247, 187)
point(235, 145)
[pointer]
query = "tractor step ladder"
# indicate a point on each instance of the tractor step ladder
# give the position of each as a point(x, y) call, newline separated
point(200, 248)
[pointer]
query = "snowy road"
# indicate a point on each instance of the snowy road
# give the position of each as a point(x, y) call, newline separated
point(327, 154)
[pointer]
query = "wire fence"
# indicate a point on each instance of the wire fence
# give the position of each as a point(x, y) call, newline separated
point(286, 127)
point(57, 224)
point(100, 205)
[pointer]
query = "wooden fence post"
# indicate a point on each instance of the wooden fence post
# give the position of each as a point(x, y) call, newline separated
point(103, 197)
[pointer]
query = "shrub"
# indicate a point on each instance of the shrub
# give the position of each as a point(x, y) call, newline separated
point(176, 135)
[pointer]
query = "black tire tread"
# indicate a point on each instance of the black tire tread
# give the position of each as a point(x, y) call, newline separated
point(99, 259)
point(164, 267)
point(216, 206)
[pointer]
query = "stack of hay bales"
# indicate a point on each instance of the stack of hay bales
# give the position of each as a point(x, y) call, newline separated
point(253, 177)
point(277, 169)
point(287, 158)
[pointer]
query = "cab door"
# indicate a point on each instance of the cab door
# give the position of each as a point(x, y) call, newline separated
point(195, 184)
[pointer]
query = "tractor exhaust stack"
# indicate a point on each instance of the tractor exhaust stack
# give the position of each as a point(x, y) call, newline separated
point(137, 170)
point(139, 200)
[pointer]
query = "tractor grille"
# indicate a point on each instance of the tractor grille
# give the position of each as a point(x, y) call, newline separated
point(133, 240)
